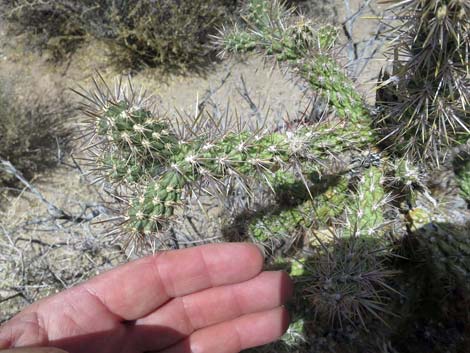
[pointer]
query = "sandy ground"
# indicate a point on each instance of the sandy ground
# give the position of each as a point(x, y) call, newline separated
point(364, 54)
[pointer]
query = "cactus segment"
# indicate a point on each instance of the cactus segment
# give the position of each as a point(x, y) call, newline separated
point(149, 213)
point(423, 103)
point(324, 74)
point(138, 143)
point(365, 207)
point(318, 211)
point(346, 281)
point(243, 154)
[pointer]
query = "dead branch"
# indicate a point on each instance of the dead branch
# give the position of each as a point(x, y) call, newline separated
point(55, 212)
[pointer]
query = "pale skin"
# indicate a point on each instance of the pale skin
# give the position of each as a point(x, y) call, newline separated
point(208, 299)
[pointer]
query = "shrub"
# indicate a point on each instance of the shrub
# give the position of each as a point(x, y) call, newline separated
point(169, 32)
point(31, 129)
point(55, 26)
point(142, 32)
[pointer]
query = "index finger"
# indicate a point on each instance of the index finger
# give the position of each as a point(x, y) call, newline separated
point(140, 287)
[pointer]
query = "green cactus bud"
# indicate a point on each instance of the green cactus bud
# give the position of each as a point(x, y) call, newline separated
point(298, 268)
point(295, 334)
point(442, 13)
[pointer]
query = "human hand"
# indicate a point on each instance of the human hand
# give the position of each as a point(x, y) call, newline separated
point(213, 298)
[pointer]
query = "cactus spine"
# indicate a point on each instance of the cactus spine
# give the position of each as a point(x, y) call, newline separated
point(425, 101)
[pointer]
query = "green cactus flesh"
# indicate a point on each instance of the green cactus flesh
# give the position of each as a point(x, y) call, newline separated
point(149, 213)
point(319, 210)
point(365, 207)
point(140, 143)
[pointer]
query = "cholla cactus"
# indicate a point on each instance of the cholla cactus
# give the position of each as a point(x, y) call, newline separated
point(425, 101)
point(271, 27)
point(346, 280)
point(133, 146)
point(444, 247)
point(307, 46)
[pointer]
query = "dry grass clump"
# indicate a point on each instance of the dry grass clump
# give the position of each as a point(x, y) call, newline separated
point(169, 32)
point(55, 26)
point(142, 32)
point(33, 128)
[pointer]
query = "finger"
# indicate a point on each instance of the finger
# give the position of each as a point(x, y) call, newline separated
point(182, 316)
point(138, 288)
point(33, 350)
point(245, 332)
